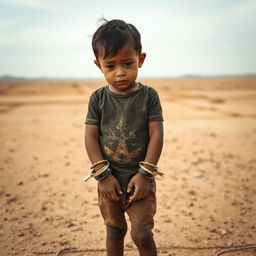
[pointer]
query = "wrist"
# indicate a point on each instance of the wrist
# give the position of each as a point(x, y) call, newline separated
point(99, 166)
point(144, 177)
point(149, 170)
point(145, 174)
point(103, 175)
point(100, 170)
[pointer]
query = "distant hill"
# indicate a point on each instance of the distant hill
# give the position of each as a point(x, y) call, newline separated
point(17, 78)
point(217, 76)
point(8, 77)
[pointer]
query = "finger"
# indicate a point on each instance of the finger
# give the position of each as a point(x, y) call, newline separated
point(140, 195)
point(104, 196)
point(118, 188)
point(130, 186)
point(114, 196)
point(134, 197)
point(108, 195)
point(144, 194)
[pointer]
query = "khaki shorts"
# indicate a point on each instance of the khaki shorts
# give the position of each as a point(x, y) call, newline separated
point(141, 212)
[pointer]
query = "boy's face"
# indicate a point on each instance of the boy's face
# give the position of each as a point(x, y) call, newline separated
point(121, 71)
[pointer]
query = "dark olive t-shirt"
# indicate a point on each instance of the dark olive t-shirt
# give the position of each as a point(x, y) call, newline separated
point(123, 122)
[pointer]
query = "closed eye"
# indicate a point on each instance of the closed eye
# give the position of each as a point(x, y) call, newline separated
point(127, 64)
point(109, 66)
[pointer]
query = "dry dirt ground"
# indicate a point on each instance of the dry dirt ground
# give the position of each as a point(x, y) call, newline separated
point(206, 201)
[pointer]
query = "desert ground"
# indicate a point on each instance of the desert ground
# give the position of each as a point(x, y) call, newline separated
point(206, 200)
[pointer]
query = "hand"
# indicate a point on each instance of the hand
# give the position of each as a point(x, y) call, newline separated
point(141, 186)
point(110, 188)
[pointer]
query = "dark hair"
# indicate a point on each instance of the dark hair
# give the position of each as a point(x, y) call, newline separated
point(113, 35)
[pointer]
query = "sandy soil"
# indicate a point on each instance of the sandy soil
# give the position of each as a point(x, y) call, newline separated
point(206, 201)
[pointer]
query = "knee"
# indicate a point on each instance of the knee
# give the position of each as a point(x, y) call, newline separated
point(142, 238)
point(116, 233)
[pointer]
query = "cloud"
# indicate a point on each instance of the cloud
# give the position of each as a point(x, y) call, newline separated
point(7, 24)
point(35, 4)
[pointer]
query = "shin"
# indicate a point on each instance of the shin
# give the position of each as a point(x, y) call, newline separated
point(115, 241)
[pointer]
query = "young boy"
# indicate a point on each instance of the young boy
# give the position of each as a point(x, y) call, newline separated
point(124, 138)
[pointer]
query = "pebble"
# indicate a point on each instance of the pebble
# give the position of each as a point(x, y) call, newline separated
point(12, 199)
point(71, 225)
point(167, 220)
point(197, 175)
point(217, 100)
point(44, 208)
point(21, 234)
point(223, 232)
point(192, 192)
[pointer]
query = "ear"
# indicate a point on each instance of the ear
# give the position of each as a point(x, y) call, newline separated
point(142, 57)
point(97, 64)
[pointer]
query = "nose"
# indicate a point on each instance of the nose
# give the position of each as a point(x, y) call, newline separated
point(120, 71)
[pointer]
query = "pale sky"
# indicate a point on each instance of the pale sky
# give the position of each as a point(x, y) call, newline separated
point(52, 38)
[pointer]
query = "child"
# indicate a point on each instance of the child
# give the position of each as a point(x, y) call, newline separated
point(124, 138)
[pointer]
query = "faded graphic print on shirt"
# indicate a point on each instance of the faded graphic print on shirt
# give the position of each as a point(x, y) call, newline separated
point(121, 143)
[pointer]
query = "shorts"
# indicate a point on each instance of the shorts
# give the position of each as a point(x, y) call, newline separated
point(141, 213)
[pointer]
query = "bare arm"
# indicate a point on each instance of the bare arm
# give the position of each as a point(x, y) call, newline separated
point(156, 142)
point(109, 186)
point(92, 144)
point(139, 182)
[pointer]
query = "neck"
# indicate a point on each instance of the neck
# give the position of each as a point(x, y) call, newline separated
point(131, 88)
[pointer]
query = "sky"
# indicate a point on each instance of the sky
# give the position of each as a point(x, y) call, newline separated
point(52, 38)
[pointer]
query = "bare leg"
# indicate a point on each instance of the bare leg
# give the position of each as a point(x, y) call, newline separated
point(115, 241)
point(144, 241)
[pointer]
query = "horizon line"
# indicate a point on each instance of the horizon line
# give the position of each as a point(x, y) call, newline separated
point(16, 77)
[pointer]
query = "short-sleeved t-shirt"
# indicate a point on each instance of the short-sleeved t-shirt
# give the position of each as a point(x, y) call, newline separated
point(123, 125)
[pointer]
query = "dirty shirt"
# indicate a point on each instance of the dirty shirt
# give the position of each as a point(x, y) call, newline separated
point(123, 125)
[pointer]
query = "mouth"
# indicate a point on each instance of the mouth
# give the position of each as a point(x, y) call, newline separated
point(120, 82)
